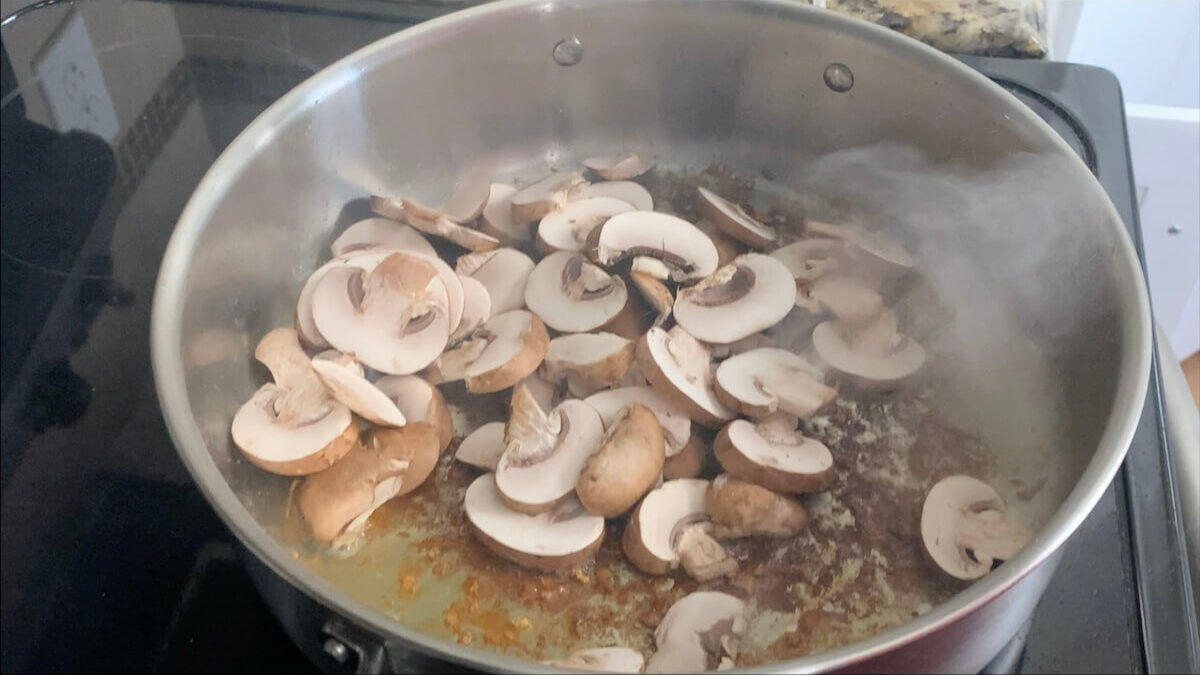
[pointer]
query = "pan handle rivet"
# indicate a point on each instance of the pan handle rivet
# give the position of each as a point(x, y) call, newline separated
point(838, 77)
point(568, 51)
point(336, 650)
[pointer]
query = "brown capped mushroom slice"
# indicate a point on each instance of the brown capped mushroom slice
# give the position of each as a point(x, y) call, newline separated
point(701, 631)
point(516, 344)
point(762, 381)
point(482, 448)
point(394, 319)
point(573, 295)
point(679, 367)
point(347, 384)
point(567, 229)
point(850, 300)
point(655, 293)
point(544, 452)
point(688, 462)
point(687, 251)
point(748, 343)
point(676, 426)
point(733, 220)
point(618, 167)
point(419, 401)
point(625, 190)
point(873, 354)
point(625, 465)
point(379, 233)
point(751, 294)
point(430, 221)
point(497, 216)
point(477, 307)
point(365, 260)
point(595, 360)
point(964, 528)
point(810, 259)
point(558, 539)
point(469, 197)
point(873, 248)
point(337, 502)
point(546, 195)
point(773, 454)
point(670, 528)
point(603, 659)
point(742, 509)
point(503, 272)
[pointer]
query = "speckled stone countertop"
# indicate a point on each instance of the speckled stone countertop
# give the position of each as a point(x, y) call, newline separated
point(983, 27)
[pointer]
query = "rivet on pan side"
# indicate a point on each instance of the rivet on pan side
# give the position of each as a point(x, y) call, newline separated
point(568, 51)
point(838, 77)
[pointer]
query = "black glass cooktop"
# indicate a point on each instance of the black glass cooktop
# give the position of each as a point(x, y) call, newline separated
point(112, 560)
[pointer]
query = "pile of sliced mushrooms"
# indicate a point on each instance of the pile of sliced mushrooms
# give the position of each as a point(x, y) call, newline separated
point(621, 333)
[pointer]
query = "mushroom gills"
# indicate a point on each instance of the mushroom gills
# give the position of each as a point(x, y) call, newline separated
point(751, 294)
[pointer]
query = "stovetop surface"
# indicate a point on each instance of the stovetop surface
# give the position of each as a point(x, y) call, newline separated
point(112, 560)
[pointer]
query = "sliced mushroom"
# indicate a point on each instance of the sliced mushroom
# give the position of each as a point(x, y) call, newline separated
point(655, 293)
point(477, 307)
point(306, 326)
point(337, 502)
point(874, 354)
point(497, 216)
point(573, 295)
point(347, 384)
point(686, 250)
point(676, 427)
point(872, 248)
point(848, 299)
point(670, 528)
point(379, 233)
point(761, 381)
point(751, 294)
point(567, 229)
point(627, 463)
point(679, 367)
point(733, 220)
point(545, 452)
point(773, 454)
point(810, 259)
point(482, 448)
point(687, 463)
point(419, 401)
point(546, 393)
point(292, 427)
point(727, 247)
point(502, 272)
point(394, 319)
point(965, 530)
point(625, 190)
point(516, 344)
point(699, 632)
point(558, 539)
point(470, 196)
point(604, 659)
point(542, 197)
point(741, 509)
point(748, 343)
point(595, 360)
point(618, 167)
point(413, 213)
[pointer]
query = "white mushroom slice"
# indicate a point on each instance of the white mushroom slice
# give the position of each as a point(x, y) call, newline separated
point(419, 401)
point(349, 386)
point(542, 197)
point(748, 343)
point(573, 295)
point(567, 229)
point(594, 359)
point(470, 196)
point(846, 298)
point(412, 213)
point(965, 530)
point(774, 455)
point(502, 272)
point(677, 428)
point(810, 259)
point(544, 453)
point(627, 462)
point(365, 260)
point(477, 307)
point(870, 247)
point(550, 541)
point(761, 381)
point(379, 233)
point(680, 368)
point(394, 319)
point(655, 293)
point(699, 632)
point(618, 167)
point(603, 659)
point(451, 365)
point(751, 294)
point(733, 220)
point(337, 502)
point(497, 216)
point(741, 509)
point(873, 354)
point(516, 344)
point(670, 528)
point(482, 448)
point(625, 190)
point(685, 249)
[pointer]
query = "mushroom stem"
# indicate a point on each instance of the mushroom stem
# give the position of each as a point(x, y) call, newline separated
point(702, 556)
point(531, 434)
point(990, 534)
point(301, 397)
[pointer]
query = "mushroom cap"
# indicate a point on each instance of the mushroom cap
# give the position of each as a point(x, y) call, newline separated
point(676, 426)
point(482, 448)
point(547, 542)
point(291, 450)
point(685, 249)
point(946, 517)
point(627, 463)
point(605, 659)
point(688, 462)
point(625, 190)
point(567, 229)
point(763, 380)
point(477, 307)
point(837, 345)
point(618, 167)
point(810, 259)
point(655, 293)
point(783, 462)
point(751, 294)
point(594, 359)
point(733, 219)
point(871, 247)
point(696, 631)
point(741, 509)
point(517, 344)
point(470, 196)
point(497, 216)
point(573, 295)
point(347, 384)
point(431, 221)
point(540, 465)
point(379, 233)
point(538, 199)
point(679, 368)
point(503, 272)
point(650, 536)
point(419, 401)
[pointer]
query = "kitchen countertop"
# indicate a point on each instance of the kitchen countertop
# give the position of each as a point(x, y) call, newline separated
point(982, 27)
